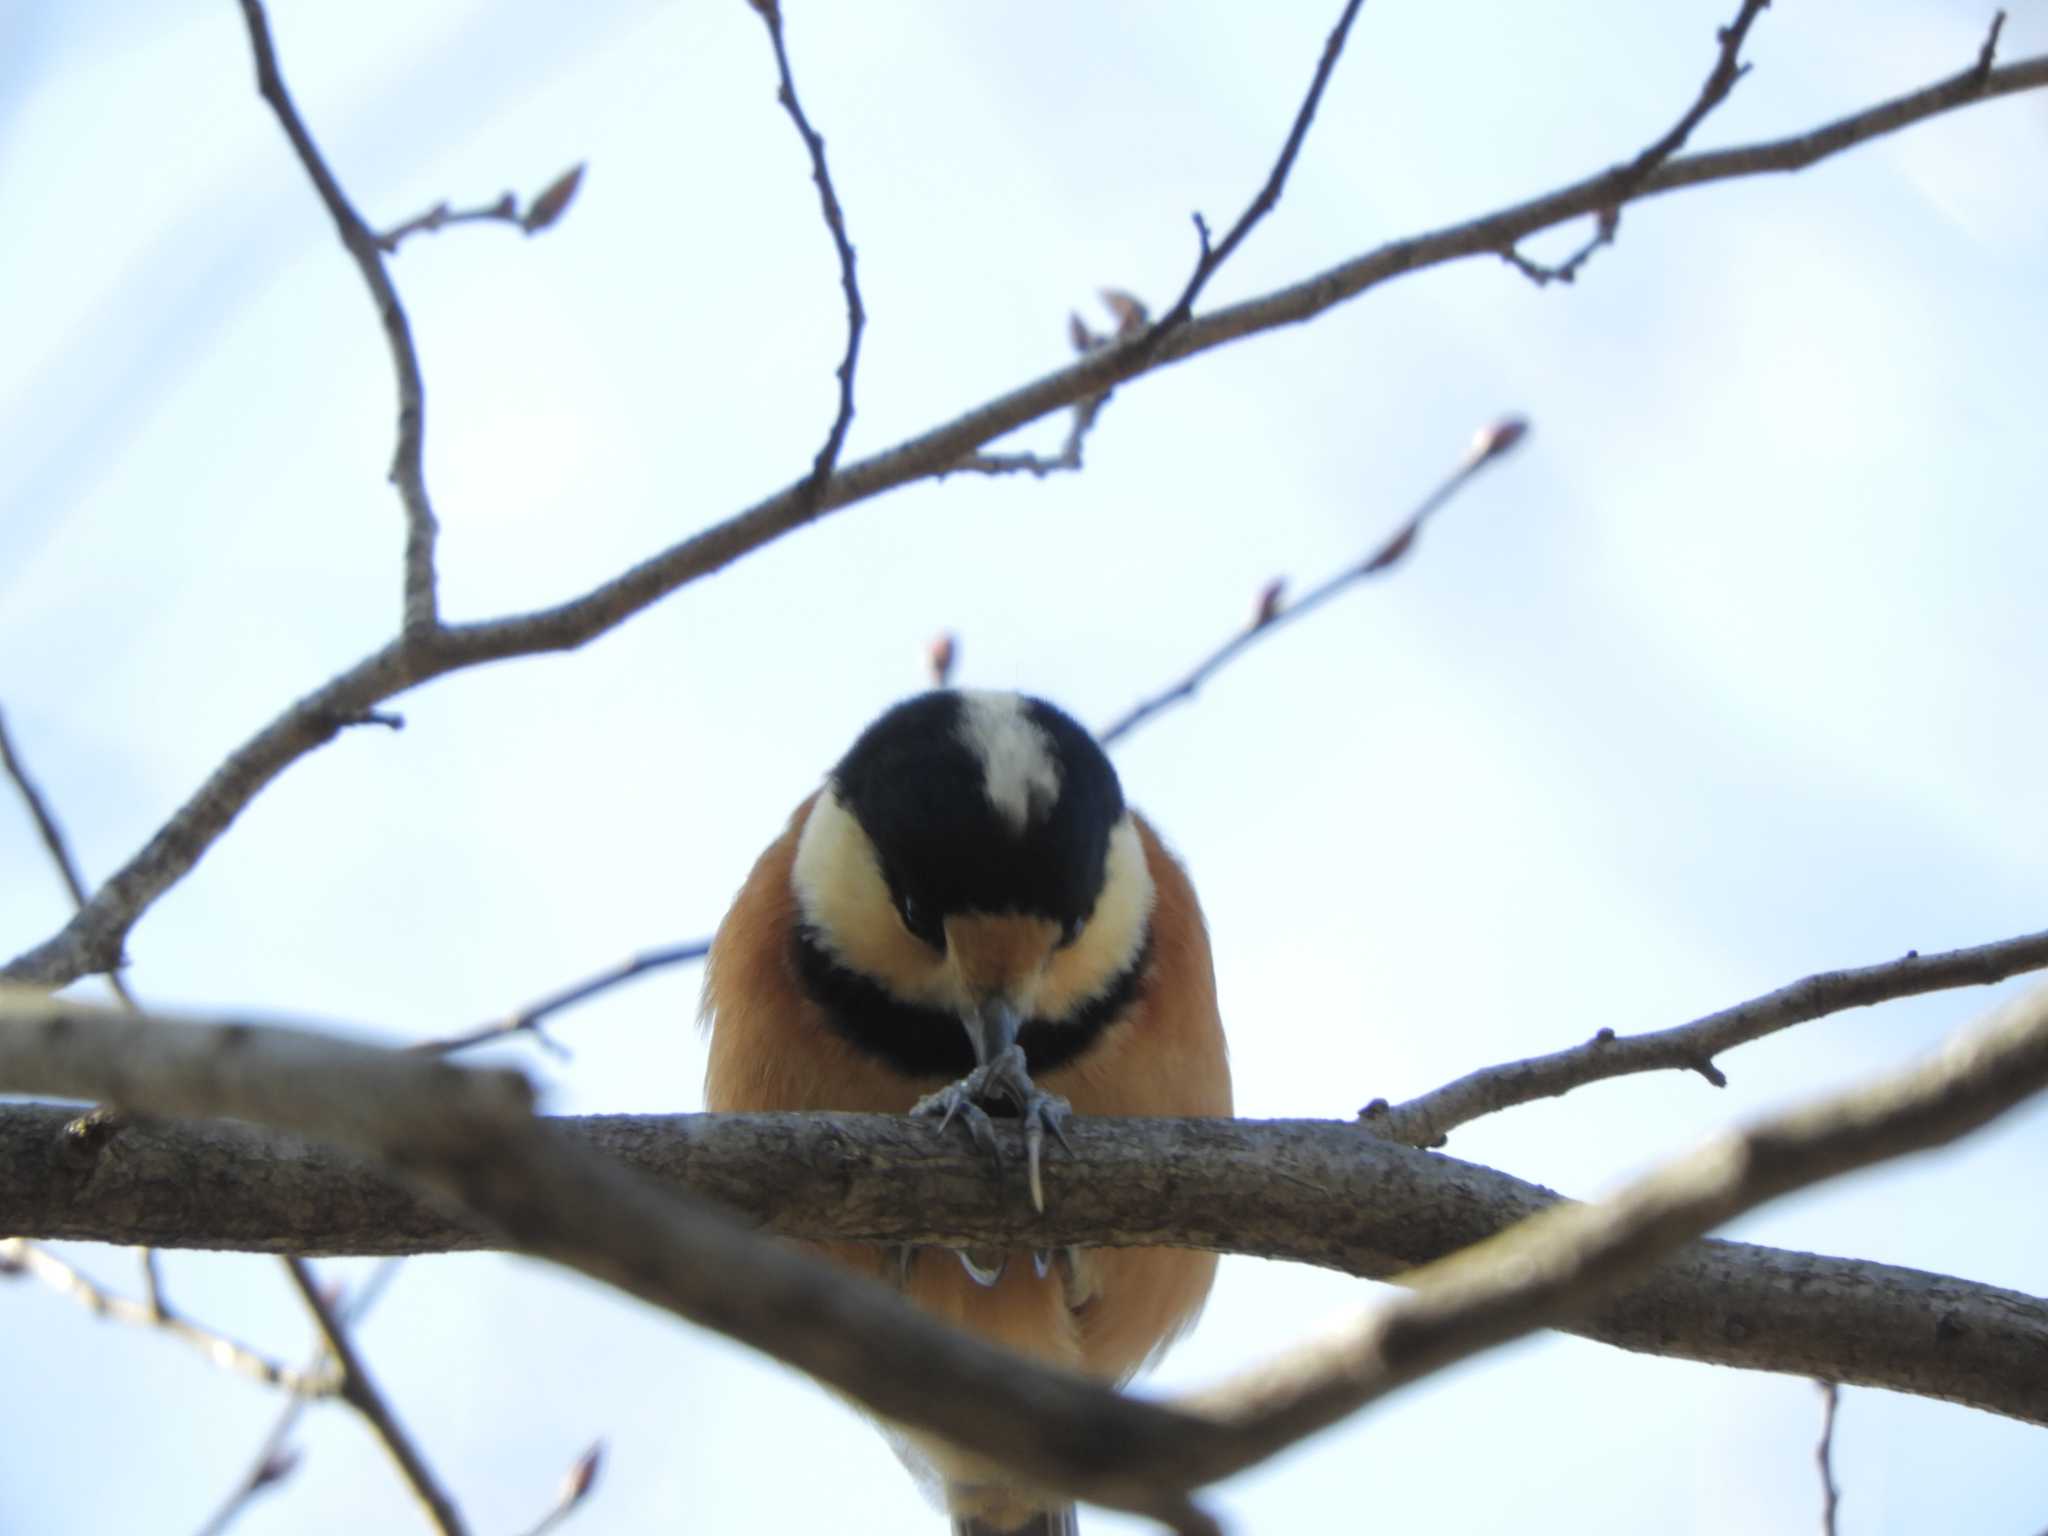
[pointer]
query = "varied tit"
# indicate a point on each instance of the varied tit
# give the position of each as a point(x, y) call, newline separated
point(965, 917)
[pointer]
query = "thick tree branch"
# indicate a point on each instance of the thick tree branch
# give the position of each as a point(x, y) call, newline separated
point(94, 938)
point(1315, 1192)
point(1549, 1267)
point(408, 461)
point(1426, 1121)
point(467, 1137)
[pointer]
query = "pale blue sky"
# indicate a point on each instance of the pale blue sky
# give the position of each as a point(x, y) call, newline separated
point(1732, 673)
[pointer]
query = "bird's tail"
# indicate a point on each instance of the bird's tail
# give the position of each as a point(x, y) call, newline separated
point(1047, 1522)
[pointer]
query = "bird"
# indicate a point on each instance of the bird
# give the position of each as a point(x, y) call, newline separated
point(966, 918)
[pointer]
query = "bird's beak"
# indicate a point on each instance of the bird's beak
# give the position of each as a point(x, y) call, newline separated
point(993, 1028)
point(998, 960)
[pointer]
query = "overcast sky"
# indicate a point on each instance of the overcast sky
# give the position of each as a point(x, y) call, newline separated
point(1733, 673)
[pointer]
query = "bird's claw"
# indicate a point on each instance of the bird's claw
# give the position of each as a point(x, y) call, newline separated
point(1004, 1076)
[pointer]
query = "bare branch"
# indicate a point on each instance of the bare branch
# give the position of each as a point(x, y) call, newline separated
point(20, 1257)
point(1131, 319)
point(275, 1459)
point(1824, 1452)
point(1728, 68)
point(545, 210)
point(1626, 178)
point(94, 938)
point(54, 841)
point(1989, 51)
point(466, 1136)
point(1272, 614)
point(811, 493)
point(408, 462)
point(353, 1384)
point(1039, 465)
point(528, 1020)
point(1426, 1121)
point(1313, 1192)
point(1209, 259)
point(1606, 223)
point(39, 811)
point(1552, 1265)
point(360, 1392)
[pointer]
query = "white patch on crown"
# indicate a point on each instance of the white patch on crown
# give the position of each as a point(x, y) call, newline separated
point(1019, 770)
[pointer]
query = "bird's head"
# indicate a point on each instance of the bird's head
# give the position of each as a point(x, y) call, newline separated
point(971, 863)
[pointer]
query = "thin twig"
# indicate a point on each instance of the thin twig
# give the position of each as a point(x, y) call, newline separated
point(1987, 54)
point(360, 1393)
point(275, 1460)
point(1209, 258)
point(1606, 223)
point(20, 1256)
point(93, 940)
point(528, 1019)
point(547, 207)
point(408, 461)
point(1489, 445)
point(1728, 68)
point(811, 494)
point(1039, 465)
point(575, 1488)
point(1427, 1120)
point(1131, 320)
point(45, 820)
point(1626, 178)
point(53, 839)
point(1824, 1453)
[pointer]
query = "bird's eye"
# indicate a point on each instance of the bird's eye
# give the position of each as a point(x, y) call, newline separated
point(1071, 931)
point(920, 922)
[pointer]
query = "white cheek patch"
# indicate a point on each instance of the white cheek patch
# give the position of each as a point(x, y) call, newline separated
point(1019, 771)
point(1115, 934)
point(842, 897)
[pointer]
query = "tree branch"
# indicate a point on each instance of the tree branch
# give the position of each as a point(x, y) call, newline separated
point(19, 1257)
point(466, 1136)
point(1490, 444)
point(408, 461)
point(1824, 1451)
point(52, 833)
point(275, 1460)
point(811, 494)
point(546, 208)
point(93, 939)
point(360, 1392)
point(1428, 1120)
point(1552, 1265)
point(1313, 1192)
point(528, 1020)
point(1208, 261)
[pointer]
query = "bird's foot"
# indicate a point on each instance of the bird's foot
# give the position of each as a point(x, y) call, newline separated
point(1004, 1076)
